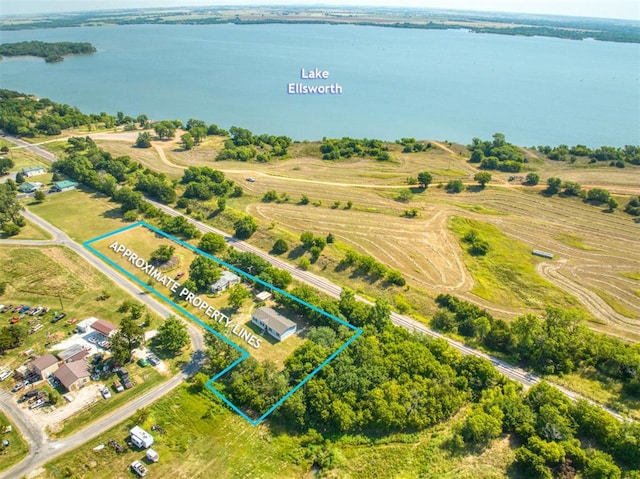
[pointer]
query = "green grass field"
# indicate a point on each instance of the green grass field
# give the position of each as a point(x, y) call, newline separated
point(30, 231)
point(97, 213)
point(17, 448)
point(507, 275)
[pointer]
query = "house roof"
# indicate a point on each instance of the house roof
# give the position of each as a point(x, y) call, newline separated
point(273, 319)
point(72, 353)
point(225, 278)
point(29, 169)
point(104, 327)
point(64, 184)
point(43, 362)
point(69, 373)
point(26, 186)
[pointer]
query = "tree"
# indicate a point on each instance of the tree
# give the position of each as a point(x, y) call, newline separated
point(172, 335)
point(130, 334)
point(9, 206)
point(39, 196)
point(304, 263)
point(601, 466)
point(5, 165)
point(532, 179)
point(245, 227)
point(404, 195)
point(553, 185)
point(187, 141)
point(455, 186)
point(280, 247)
point(598, 196)
point(479, 427)
point(424, 179)
point(483, 178)
point(613, 204)
point(162, 254)
point(143, 140)
point(212, 243)
point(306, 239)
point(237, 295)
point(203, 272)
point(20, 178)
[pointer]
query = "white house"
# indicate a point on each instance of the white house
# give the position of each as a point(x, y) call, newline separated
point(32, 171)
point(140, 437)
point(273, 323)
point(227, 279)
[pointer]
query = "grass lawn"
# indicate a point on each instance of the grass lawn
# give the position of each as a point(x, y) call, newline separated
point(507, 274)
point(82, 215)
point(17, 448)
point(49, 276)
point(203, 439)
point(149, 377)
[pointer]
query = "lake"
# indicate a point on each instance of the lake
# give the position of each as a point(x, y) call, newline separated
point(429, 84)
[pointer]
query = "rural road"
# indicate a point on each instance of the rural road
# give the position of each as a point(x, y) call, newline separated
point(522, 376)
point(42, 449)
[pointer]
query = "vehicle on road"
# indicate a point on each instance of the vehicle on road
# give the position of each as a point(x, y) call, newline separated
point(251, 179)
point(139, 468)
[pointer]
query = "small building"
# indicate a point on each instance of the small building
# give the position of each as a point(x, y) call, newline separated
point(45, 366)
point(227, 279)
point(32, 171)
point(73, 375)
point(105, 328)
point(263, 296)
point(28, 187)
point(84, 325)
point(64, 185)
point(74, 352)
point(274, 323)
point(140, 437)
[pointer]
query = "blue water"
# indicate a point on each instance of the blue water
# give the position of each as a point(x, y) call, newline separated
point(448, 85)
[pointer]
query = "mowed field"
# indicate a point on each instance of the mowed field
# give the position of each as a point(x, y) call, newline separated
point(596, 253)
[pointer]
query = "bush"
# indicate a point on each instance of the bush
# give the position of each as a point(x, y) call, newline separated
point(245, 227)
point(455, 186)
point(10, 229)
point(304, 263)
point(280, 246)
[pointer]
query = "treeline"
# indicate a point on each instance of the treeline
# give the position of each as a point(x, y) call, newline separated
point(496, 154)
point(23, 115)
point(412, 146)
point(387, 380)
point(558, 343)
point(51, 52)
point(606, 154)
point(334, 149)
point(558, 437)
point(243, 143)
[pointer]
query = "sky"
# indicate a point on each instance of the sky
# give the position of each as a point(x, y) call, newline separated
point(628, 9)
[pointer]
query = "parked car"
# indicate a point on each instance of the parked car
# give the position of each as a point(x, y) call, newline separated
point(24, 309)
point(105, 392)
point(5, 374)
point(14, 320)
point(143, 363)
point(39, 403)
point(117, 386)
point(139, 468)
point(58, 317)
point(153, 359)
point(6, 308)
point(18, 386)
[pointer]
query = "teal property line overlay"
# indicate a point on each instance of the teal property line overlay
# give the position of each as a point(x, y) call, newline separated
point(244, 354)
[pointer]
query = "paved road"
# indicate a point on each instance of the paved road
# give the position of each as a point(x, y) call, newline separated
point(522, 376)
point(42, 449)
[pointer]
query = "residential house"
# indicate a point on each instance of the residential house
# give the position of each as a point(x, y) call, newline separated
point(105, 328)
point(64, 185)
point(227, 279)
point(32, 171)
point(274, 323)
point(28, 187)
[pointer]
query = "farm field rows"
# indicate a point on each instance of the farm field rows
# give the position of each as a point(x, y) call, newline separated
point(590, 267)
